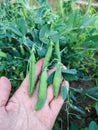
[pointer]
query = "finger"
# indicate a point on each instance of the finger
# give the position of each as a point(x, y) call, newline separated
point(5, 89)
point(37, 73)
point(49, 89)
point(57, 103)
point(50, 94)
point(25, 84)
point(21, 95)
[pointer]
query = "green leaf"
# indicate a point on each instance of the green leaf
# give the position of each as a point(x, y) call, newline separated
point(27, 42)
point(91, 93)
point(2, 54)
point(22, 25)
point(77, 109)
point(50, 78)
point(69, 75)
point(54, 36)
point(35, 35)
point(41, 52)
point(91, 42)
point(73, 0)
point(93, 126)
point(2, 67)
point(2, 31)
point(2, 35)
point(41, 2)
point(69, 71)
point(74, 19)
point(44, 34)
point(73, 126)
point(84, 129)
point(96, 108)
point(87, 21)
point(64, 92)
point(14, 30)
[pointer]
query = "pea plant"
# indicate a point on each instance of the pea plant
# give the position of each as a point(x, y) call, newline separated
point(66, 36)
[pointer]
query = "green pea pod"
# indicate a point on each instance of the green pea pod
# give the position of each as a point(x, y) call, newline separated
point(43, 80)
point(32, 69)
point(48, 56)
point(57, 51)
point(22, 50)
point(42, 90)
point(57, 80)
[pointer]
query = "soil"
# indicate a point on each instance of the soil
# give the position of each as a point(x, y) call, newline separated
point(85, 103)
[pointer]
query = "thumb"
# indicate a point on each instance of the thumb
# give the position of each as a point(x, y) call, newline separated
point(5, 89)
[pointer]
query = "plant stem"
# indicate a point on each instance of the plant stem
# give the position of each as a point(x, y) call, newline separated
point(89, 6)
point(61, 7)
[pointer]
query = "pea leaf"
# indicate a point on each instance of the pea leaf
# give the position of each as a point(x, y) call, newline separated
point(87, 21)
point(15, 30)
point(2, 31)
point(91, 93)
point(73, 126)
point(77, 109)
point(64, 92)
point(2, 67)
point(41, 52)
point(54, 36)
point(2, 54)
point(96, 108)
point(93, 126)
point(91, 42)
point(2, 35)
point(41, 2)
point(27, 42)
point(22, 25)
point(35, 35)
point(69, 74)
point(44, 34)
point(69, 71)
point(50, 78)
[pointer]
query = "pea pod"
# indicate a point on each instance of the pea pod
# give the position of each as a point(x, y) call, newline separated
point(48, 56)
point(43, 80)
point(57, 51)
point(42, 90)
point(32, 74)
point(22, 50)
point(57, 80)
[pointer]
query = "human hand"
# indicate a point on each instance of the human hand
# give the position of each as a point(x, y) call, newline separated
point(18, 113)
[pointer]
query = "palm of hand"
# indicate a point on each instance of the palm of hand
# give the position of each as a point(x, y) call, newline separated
point(19, 112)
